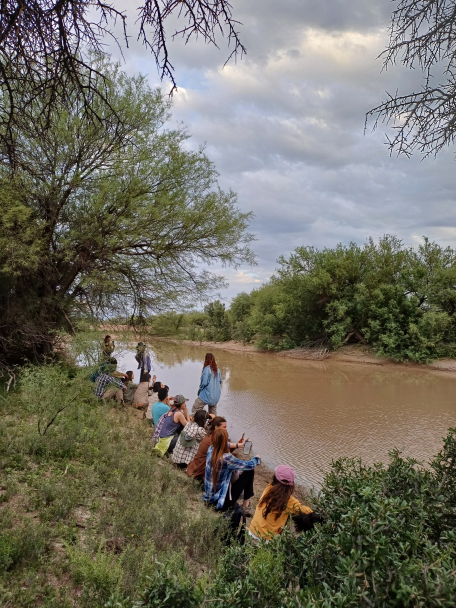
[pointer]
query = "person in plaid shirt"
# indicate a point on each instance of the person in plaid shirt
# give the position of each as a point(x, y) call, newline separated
point(221, 491)
point(188, 443)
point(107, 387)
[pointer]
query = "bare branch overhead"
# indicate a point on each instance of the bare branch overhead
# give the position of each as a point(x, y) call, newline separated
point(45, 47)
point(423, 36)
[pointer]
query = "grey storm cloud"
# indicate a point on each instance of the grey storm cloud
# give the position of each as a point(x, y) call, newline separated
point(285, 128)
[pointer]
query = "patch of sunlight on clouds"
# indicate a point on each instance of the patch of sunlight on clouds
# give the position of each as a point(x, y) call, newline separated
point(246, 277)
point(343, 48)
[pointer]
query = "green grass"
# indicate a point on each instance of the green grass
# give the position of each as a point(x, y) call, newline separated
point(86, 510)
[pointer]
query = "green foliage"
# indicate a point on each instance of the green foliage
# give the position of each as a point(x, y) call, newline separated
point(387, 540)
point(166, 324)
point(108, 218)
point(85, 509)
point(400, 300)
point(100, 574)
point(218, 325)
point(170, 586)
point(22, 545)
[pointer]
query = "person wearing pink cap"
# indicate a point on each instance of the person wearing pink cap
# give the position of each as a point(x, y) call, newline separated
point(276, 505)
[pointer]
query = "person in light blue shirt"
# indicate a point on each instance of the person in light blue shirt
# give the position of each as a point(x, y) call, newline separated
point(210, 387)
point(160, 407)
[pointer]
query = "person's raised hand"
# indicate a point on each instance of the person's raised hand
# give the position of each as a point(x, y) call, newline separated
point(154, 379)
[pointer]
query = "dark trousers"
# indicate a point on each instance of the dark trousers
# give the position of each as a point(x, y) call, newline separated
point(172, 445)
point(243, 484)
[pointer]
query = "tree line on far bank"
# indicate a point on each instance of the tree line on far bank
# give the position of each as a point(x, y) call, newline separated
point(401, 300)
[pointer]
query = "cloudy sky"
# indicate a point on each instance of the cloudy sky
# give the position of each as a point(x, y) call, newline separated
point(285, 128)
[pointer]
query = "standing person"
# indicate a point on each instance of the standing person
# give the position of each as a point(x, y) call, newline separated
point(276, 505)
point(210, 387)
point(189, 440)
point(141, 398)
point(108, 347)
point(220, 465)
point(143, 359)
point(170, 426)
point(197, 467)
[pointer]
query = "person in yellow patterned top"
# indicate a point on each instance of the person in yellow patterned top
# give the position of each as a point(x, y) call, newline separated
point(276, 505)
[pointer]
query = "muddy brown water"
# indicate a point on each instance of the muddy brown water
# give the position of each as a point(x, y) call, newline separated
point(307, 413)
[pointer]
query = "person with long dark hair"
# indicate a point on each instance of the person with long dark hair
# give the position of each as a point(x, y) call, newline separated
point(210, 387)
point(276, 505)
point(197, 466)
point(219, 490)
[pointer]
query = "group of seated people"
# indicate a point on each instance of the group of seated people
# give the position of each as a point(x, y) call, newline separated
point(199, 444)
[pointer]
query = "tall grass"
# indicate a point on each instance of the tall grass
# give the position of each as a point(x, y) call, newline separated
point(86, 510)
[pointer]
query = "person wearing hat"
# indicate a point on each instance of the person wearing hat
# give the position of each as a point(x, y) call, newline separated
point(170, 426)
point(276, 505)
point(190, 438)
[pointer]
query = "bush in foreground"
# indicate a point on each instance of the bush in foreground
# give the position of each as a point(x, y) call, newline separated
point(388, 541)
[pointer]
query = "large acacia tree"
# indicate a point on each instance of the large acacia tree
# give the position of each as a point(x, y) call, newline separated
point(117, 217)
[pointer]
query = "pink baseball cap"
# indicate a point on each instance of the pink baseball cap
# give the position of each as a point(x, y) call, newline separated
point(285, 474)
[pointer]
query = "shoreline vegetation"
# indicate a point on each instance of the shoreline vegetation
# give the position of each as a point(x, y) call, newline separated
point(377, 303)
point(357, 354)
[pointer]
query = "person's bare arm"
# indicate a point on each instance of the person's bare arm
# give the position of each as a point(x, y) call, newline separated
point(181, 418)
point(186, 414)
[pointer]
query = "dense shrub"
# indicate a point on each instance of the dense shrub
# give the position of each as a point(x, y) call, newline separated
point(388, 540)
point(400, 300)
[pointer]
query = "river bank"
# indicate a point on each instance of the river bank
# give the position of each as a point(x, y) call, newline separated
point(310, 412)
point(359, 354)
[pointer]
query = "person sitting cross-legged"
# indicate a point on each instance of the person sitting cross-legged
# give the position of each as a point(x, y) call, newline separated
point(189, 440)
point(160, 407)
point(169, 427)
point(131, 387)
point(197, 467)
point(141, 398)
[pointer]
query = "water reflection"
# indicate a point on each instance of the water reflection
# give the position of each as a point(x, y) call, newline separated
point(307, 413)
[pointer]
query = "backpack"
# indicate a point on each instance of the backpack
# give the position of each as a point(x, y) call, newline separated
point(236, 528)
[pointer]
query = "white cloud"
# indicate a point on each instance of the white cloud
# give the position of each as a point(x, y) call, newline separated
point(285, 128)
